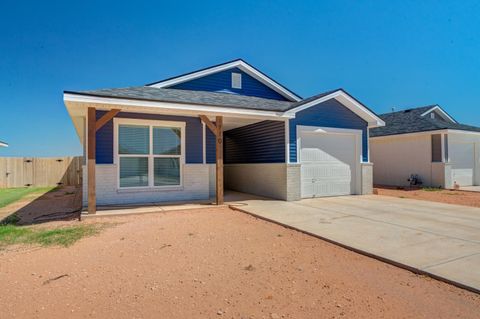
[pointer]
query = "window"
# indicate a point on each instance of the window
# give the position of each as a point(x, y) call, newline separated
point(432, 116)
point(149, 153)
point(236, 80)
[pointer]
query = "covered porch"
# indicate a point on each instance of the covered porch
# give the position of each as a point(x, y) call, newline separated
point(210, 151)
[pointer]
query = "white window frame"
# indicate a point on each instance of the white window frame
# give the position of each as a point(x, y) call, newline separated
point(150, 123)
point(236, 80)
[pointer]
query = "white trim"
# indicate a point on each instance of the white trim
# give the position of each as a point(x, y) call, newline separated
point(234, 64)
point(444, 131)
point(150, 156)
point(287, 141)
point(204, 143)
point(236, 80)
point(2, 144)
point(345, 99)
point(439, 109)
point(173, 108)
point(358, 134)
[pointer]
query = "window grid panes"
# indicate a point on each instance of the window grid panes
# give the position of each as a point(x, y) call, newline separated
point(149, 155)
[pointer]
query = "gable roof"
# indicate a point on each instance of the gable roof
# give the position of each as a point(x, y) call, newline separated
point(153, 94)
point(238, 63)
point(343, 97)
point(202, 98)
point(414, 121)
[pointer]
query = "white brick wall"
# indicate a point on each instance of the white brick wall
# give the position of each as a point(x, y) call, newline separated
point(195, 187)
point(367, 178)
point(293, 182)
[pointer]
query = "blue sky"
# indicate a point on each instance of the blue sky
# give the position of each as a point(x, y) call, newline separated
point(385, 53)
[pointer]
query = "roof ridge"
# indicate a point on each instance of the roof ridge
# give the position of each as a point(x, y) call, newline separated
point(410, 109)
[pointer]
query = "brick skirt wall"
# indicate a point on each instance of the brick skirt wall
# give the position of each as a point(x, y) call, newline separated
point(195, 187)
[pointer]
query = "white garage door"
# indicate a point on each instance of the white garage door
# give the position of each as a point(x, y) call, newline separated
point(462, 159)
point(329, 163)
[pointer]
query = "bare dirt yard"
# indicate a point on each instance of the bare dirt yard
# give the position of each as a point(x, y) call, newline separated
point(213, 263)
point(434, 195)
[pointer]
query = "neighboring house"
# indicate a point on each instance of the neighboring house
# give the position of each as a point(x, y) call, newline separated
point(428, 142)
point(183, 138)
point(3, 144)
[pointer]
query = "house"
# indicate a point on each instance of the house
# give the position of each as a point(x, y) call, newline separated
point(227, 126)
point(428, 142)
point(3, 144)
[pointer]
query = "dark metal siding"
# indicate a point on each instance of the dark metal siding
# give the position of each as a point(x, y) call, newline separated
point(210, 147)
point(262, 142)
point(193, 136)
point(330, 113)
point(222, 82)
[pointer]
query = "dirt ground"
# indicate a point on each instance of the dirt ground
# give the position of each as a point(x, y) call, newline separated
point(442, 196)
point(214, 263)
point(60, 203)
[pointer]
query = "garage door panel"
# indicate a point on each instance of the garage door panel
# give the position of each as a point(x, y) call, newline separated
point(328, 164)
point(463, 161)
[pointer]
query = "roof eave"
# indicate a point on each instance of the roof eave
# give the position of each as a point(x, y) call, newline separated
point(349, 101)
point(176, 107)
point(239, 63)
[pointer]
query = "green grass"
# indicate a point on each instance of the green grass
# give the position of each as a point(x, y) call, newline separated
point(62, 236)
point(432, 189)
point(10, 195)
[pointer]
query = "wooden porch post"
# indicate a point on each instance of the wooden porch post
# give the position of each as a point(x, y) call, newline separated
point(92, 200)
point(93, 127)
point(219, 159)
point(217, 130)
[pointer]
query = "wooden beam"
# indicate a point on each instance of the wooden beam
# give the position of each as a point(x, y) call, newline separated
point(210, 125)
point(105, 118)
point(91, 131)
point(219, 159)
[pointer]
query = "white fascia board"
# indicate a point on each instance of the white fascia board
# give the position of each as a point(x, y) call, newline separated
point(440, 110)
point(411, 134)
point(173, 108)
point(238, 64)
point(444, 131)
point(351, 104)
point(2, 144)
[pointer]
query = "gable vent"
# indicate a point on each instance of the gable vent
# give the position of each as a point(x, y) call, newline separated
point(236, 80)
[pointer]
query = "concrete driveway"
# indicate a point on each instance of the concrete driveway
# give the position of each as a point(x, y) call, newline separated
point(440, 239)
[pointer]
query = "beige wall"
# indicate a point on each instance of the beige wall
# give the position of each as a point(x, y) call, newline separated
point(396, 158)
point(269, 180)
point(468, 138)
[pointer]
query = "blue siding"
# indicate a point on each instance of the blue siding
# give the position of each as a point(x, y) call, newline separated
point(330, 113)
point(262, 142)
point(222, 82)
point(193, 136)
point(210, 147)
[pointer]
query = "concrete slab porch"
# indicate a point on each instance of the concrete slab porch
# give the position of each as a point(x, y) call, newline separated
point(438, 239)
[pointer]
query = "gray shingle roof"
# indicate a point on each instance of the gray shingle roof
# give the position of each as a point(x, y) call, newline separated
point(146, 93)
point(411, 121)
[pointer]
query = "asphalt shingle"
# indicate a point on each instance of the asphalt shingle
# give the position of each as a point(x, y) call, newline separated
point(412, 121)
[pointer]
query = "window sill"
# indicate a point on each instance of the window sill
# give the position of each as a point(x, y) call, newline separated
point(149, 189)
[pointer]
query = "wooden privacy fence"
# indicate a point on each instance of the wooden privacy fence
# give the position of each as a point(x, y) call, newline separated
point(40, 171)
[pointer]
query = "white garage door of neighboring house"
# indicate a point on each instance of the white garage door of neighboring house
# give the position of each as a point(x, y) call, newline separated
point(463, 163)
point(329, 161)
